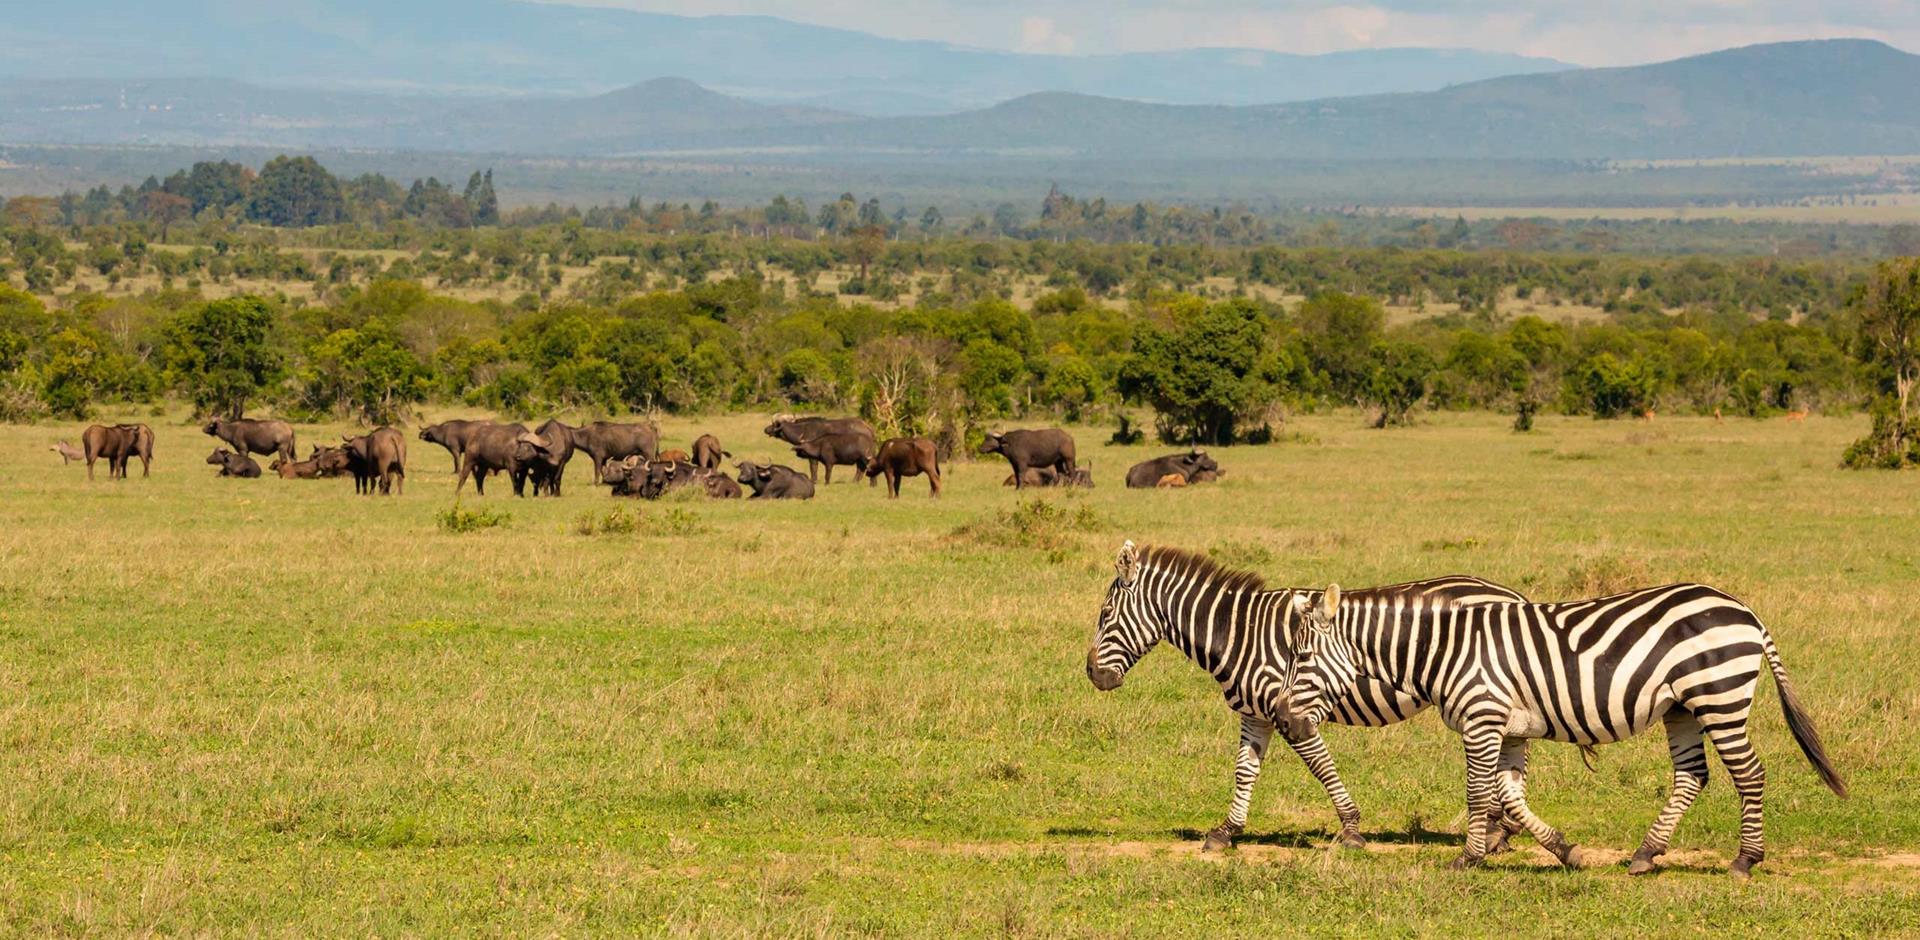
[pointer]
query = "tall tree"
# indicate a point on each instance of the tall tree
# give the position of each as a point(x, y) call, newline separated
point(1887, 340)
point(220, 354)
point(296, 192)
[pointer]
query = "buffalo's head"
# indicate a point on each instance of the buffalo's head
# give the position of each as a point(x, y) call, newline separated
point(218, 458)
point(993, 443)
point(213, 426)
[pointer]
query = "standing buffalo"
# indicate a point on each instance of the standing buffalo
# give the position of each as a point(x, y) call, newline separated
point(248, 436)
point(116, 444)
point(543, 454)
point(1049, 447)
point(707, 452)
point(906, 457)
point(380, 456)
point(1148, 473)
point(775, 481)
point(837, 449)
point(68, 453)
point(232, 464)
point(604, 441)
point(798, 431)
point(453, 435)
point(491, 449)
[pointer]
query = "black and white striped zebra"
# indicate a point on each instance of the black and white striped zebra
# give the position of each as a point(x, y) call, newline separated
point(1585, 672)
point(1231, 625)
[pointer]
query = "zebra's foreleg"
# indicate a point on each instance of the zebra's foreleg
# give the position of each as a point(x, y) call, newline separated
point(1482, 745)
point(1313, 751)
point(1750, 778)
point(1513, 799)
point(1689, 753)
point(1254, 735)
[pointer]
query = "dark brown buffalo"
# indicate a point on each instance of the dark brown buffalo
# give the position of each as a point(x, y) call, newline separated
point(248, 436)
point(115, 444)
point(491, 449)
point(330, 461)
point(837, 450)
point(1047, 476)
point(544, 454)
point(719, 485)
point(1148, 473)
point(605, 440)
point(68, 453)
point(906, 457)
point(232, 464)
point(308, 469)
point(1049, 447)
point(797, 431)
point(707, 452)
point(377, 457)
point(774, 481)
point(453, 435)
point(626, 476)
point(664, 475)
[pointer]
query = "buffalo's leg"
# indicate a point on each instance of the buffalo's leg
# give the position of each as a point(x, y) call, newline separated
point(1254, 735)
point(1019, 475)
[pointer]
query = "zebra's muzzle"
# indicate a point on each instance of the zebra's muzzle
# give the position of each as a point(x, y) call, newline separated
point(1106, 680)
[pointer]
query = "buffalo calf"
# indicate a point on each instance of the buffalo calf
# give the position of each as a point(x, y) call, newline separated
point(906, 457)
point(232, 464)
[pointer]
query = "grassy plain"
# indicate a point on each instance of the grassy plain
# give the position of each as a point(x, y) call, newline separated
point(273, 708)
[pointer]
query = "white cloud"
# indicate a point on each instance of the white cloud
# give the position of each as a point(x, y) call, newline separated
point(1042, 34)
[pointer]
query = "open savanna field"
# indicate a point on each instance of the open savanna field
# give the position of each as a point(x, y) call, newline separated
point(268, 707)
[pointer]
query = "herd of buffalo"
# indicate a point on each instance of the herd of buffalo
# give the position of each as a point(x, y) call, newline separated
point(627, 458)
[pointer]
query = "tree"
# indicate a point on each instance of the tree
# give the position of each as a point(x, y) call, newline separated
point(1214, 369)
point(296, 192)
point(220, 356)
point(1338, 332)
point(988, 372)
point(73, 374)
point(1887, 340)
point(165, 209)
point(483, 205)
point(1398, 380)
point(31, 211)
point(366, 373)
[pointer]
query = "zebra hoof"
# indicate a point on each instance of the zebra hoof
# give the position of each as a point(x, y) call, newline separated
point(1220, 838)
point(1352, 840)
point(1499, 843)
point(1572, 857)
point(1742, 867)
point(1464, 861)
point(1640, 866)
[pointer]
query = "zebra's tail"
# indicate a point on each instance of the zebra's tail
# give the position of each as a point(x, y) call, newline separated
point(1799, 722)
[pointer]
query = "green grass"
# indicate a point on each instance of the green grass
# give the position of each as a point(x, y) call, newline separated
point(273, 707)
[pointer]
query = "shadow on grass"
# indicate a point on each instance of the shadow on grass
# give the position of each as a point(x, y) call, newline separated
point(1316, 838)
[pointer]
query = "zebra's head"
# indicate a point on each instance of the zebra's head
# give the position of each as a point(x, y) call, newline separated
point(1129, 625)
point(1312, 669)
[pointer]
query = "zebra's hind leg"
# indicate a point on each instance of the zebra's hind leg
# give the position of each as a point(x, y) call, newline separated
point(1313, 751)
point(1484, 804)
point(1254, 735)
point(1750, 778)
point(1689, 753)
point(1513, 800)
point(1513, 769)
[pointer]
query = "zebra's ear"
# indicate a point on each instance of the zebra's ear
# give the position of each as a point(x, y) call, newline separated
point(1127, 564)
point(1329, 604)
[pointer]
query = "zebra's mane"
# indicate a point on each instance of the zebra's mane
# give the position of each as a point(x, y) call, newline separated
point(1191, 565)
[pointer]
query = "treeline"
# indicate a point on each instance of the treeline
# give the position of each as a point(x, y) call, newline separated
point(1213, 369)
point(300, 193)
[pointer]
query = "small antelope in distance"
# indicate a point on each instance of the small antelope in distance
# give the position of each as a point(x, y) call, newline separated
point(1798, 414)
point(68, 453)
point(1646, 415)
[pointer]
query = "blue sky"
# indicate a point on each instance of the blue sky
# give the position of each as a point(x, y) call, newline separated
point(1589, 32)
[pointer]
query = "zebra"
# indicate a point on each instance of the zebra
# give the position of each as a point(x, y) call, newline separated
point(1586, 672)
point(1228, 623)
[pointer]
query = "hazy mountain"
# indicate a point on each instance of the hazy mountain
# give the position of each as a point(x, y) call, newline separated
point(512, 47)
point(1788, 99)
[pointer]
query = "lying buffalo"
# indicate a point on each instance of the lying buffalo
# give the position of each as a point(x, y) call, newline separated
point(707, 452)
point(624, 477)
point(719, 485)
point(837, 450)
point(232, 464)
point(308, 469)
point(774, 481)
point(1049, 447)
point(115, 444)
point(1047, 476)
point(380, 456)
point(605, 440)
point(906, 457)
point(453, 435)
point(491, 449)
point(248, 436)
point(664, 475)
point(1206, 476)
point(330, 461)
point(1148, 473)
point(798, 431)
point(543, 455)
